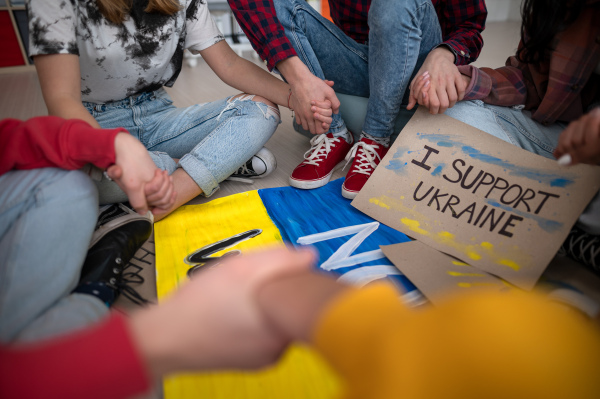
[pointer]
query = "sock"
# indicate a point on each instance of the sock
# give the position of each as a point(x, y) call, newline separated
point(345, 134)
point(99, 290)
point(384, 141)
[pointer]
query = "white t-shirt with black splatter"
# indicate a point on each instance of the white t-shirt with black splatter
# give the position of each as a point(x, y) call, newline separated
point(117, 61)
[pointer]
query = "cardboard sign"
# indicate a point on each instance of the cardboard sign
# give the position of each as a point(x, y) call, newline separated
point(438, 275)
point(487, 202)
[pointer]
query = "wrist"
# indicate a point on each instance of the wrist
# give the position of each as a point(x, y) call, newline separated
point(154, 344)
point(293, 70)
point(444, 51)
point(293, 304)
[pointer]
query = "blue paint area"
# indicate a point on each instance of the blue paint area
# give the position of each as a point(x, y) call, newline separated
point(548, 225)
point(438, 169)
point(395, 165)
point(298, 213)
point(538, 175)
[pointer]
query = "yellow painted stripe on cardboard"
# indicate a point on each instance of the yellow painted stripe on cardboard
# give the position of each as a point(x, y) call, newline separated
point(301, 373)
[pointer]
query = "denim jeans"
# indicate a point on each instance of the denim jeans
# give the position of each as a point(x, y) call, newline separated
point(211, 140)
point(47, 217)
point(402, 33)
point(515, 126)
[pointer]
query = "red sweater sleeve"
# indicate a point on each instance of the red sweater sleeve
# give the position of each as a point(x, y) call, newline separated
point(50, 141)
point(98, 362)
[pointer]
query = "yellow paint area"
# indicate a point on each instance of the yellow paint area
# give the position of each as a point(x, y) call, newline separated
point(509, 263)
point(418, 223)
point(380, 203)
point(457, 274)
point(390, 203)
point(413, 225)
point(472, 285)
point(459, 263)
point(301, 373)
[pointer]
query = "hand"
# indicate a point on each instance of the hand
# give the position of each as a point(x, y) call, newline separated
point(322, 113)
point(137, 176)
point(213, 321)
point(306, 87)
point(446, 83)
point(421, 88)
point(581, 140)
point(313, 89)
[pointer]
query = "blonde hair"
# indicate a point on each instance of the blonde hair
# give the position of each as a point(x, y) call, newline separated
point(117, 10)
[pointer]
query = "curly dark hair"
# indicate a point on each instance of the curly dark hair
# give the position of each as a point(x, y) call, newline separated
point(542, 20)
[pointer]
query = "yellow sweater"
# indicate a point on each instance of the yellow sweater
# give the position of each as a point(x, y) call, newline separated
point(491, 345)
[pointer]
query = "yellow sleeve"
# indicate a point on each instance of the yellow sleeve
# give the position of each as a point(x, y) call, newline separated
point(516, 345)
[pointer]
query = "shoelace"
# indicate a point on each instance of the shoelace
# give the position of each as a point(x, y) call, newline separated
point(592, 247)
point(366, 158)
point(131, 275)
point(320, 146)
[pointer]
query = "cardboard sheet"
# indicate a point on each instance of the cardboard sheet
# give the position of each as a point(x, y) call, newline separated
point(487, 202)
point(438, 275)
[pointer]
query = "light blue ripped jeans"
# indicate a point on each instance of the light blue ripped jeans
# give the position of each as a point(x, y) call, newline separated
point(401, 35)
point(211, 140)
point(515, 125)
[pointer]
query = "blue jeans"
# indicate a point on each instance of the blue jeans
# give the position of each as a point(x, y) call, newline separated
point(47, 217)
point(402, 33)
point(211, 140)
point(515, 126)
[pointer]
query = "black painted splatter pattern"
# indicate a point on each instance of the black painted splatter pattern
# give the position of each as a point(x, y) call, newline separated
point(117, 61)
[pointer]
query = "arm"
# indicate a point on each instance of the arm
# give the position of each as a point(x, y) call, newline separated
point(250, 78)
point(211, 323)
point(462, 23)
point(380, 347)
point(259, 22)
point(50, 141)
point(101, 361)
point(60, 81)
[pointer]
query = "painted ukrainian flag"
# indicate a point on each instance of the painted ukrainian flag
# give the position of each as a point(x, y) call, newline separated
point(348, 245)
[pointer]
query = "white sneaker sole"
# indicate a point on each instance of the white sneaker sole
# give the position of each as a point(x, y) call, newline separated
point(269, 159)
point(310, 184)
point(348, 194)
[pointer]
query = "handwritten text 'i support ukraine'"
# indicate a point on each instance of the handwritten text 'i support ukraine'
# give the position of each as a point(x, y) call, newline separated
point(481, 215)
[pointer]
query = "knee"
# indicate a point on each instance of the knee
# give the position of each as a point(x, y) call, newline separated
point(79, 192)
point(390, 14)
point(265, 101)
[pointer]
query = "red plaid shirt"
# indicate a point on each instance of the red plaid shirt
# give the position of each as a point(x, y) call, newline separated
point(462, 22)
point(560, 89)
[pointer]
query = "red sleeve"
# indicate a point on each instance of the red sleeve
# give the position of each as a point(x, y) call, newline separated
point(50, 141)
point(98, 362)
point(259, 22)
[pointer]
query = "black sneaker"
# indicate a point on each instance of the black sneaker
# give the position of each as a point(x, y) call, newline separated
point(113, 245)
point(582, 247)
point(260, 165)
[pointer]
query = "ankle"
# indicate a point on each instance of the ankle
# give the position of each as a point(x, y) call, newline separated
point(344, 134)
point(384, 141)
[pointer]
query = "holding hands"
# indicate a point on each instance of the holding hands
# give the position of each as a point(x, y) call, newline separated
point(213, 321)
point(146, 186)
point(438, 85)
point(314, 115)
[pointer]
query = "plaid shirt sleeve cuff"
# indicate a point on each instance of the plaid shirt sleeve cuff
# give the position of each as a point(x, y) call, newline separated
point(276, 51)
point(480, 85)
point(461, 53)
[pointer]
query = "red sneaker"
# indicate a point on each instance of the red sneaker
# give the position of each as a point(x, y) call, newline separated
point(367, 155)
point(325, 156)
